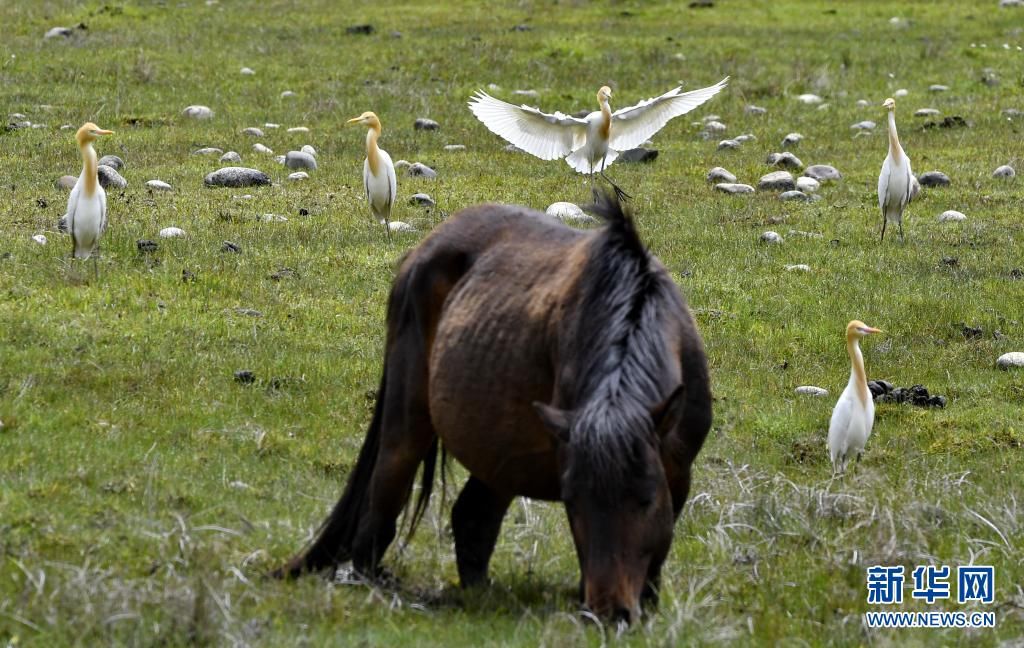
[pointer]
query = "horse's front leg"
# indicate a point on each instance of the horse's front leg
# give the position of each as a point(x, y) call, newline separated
point(476, 521)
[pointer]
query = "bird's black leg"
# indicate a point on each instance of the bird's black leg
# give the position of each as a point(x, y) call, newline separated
point(622, 195)
point(884, 222)
point(387, 228)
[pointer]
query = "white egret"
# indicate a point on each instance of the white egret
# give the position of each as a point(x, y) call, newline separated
point(589, 145)
point(854, 414)
point(87, 204)
point(379, 179)
point(896, 182)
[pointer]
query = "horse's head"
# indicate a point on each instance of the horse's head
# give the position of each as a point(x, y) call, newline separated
point(617, 497)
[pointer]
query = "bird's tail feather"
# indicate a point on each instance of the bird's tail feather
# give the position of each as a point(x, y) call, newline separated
point(579, 161)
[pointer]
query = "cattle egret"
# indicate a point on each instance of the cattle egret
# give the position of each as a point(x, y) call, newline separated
point(378, 172)
point(896, 182)
point(589, 145)
point(87, 204)
point(854, 414)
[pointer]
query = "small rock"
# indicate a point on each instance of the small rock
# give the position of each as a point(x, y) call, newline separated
point(635, 155)
point(863, 103)
point(231, 247)
point(66, 182)
point(300, 160)
point(399, 226)
point(273, 218)
point(424, 200)
point(734, 188)
point(260, 148)
point(952, 262)
point(786, 160)
point(208, 150)
point(971, 332)
point(933, 179)
point(308, 150)
point(271, 125)
point(902, 92)
point(146, 246)
point(807, 185)
point(62, 226)
point(57, 32)
point(455, 147)
point(798, 267)
point(796, 195)
point(363, 30)
point(512, 148)
point(423, 123)
point(1010, 360)
point(245, 377)
point(231, 156)
point(1005, 171)
point(865, 125)
point(568, 212)
point(247, 71)
point(822, 173)
point(287, 94)
point(926, 112)
point(951, 215)
point(283, 273)
point(112, 161)
point(298, 175)
point(791, 140)
point(402, 164)
point(197, 112)
point(158, 185)
point(809, 99)
point(420, 170)
point(811, 390)
point(730, 144)
point(298, 129)
point(172, 232)
point(714, 127)
point(254, 132)
point(771, 237)
point(746, 137)
point(718, 174)
point(938, 87)
point(109, 178)
point(777, 181)
point(755, 110)
point(533, 94)
point(279, 159)
point(236, 177)
point(39, 238)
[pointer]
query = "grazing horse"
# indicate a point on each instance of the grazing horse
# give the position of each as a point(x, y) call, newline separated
point(553, 363)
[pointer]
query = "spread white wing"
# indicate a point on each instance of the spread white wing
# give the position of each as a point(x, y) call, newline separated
point(632, 126)
point(549, 137)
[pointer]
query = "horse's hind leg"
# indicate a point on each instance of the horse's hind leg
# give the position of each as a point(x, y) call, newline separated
point(476, 521)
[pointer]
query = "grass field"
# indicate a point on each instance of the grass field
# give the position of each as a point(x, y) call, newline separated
point(144, 492)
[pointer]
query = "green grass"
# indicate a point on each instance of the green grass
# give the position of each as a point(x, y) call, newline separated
point(143, 492)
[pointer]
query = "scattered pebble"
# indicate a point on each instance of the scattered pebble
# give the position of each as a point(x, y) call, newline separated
point(771, 237)
point(66, 182)
point(745, 137)
point(455, 147)
point(421, 171)
point(1010, 360)
point(197, 112)
point(231, 156)
point(57, 32)
point(260, 148)
point(236, 177)
point(938, 87)
point(636, 155)
point(714, 127)
point(40, 239)
point(798, 267)
point(809, 99)
point(230, 246)
point(730, 144)
point(796, 195)
point(718, 174)
point(734, 188)
point(208, 150)
point(247, 71)
point(951, 215)
point(279, 159)
point(112, 161)
point(1005, 171)
point(533, 94)
point(807, 185)
point(273, 218)
point(786, 160)
point(158, 185)
point(298, 129)
point(300, 160)
point(254, 132)
point(926, 112)
point(863, 103)
point(271, 125)
point(811, 390)
point(424, 200)
point(777, 181)
point(568, 212)
point(172, 232)
point(791, 140)
point(109, 178)
point(308, 150)
point(287, 94)
point(823, 173)
point(399, 226)
point(933, 179)
point(298, 175)
point(402, 164)
point(146, 246)
point(755, 110)
point(423, 123)
point(866, 125)
point(902, 92)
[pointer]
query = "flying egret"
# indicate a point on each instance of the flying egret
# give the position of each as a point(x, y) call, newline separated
point(378, 172)
point(87, 204)
point(854, 414)
point(589, 145)
point(896, 182)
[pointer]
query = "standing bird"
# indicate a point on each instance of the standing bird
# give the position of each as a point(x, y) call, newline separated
point(87, 204)
point(896, 182)
point(378, 172)
point(592, 143)
point(854, 414)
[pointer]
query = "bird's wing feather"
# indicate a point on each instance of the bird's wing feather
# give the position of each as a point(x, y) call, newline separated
point(883, 183)
point(389, 169)
point(839, 426)
point(366, 178)
point(549, 137)
point(103, 210)
point(631, 126)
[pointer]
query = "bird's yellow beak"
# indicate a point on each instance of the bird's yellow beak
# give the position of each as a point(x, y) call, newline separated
point(870, 329)
point(354, 120)
point(104, 132)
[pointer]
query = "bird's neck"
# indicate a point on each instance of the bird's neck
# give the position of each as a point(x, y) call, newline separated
point(858, 377)
point(606, 119)
point(895, 150)
point(89, 169)
point(372, 150)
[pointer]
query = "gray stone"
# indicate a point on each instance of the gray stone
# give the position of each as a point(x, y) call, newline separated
point(807, 185)
point(247, 71)
point(39, 238)
point(1005, 171)
point(109, 178)
point(951, 215)
point(422, 199)
point(795, 195)
point(279, 159)
point(172, 232)
point(798, 267)
point(57, 32)
point(823, 173)
point(863, 103)
point(300, 160)
point(158, 185)
point(638, 155)
point(902, 92)
point(67, 182)
point(865, 125)
point(933, 179)
point(287, 94)
point(298, 129)
point(733, 188)
point(298, 175)
point(811, 390)
point(208, 150)
point(730, 144)
point(273, 218)
point(809, 99)
point(255, 132)
point(402, 164)
point(568, 212)
point(938, 87)
point(236, 177)
point(419, 170)
point(455, 147)
point(771, 237)
point(785, 160)
point(1010, 360)
point(777, 181)
point(533, 94)
point(926, 112)
point(112, 161)
point(231, 156)
point(718, 174)
point(271, 125)
point(755, 110)
point(714, 127)
point(791, 140)
point(309, 150)
point(399, 227)
point(263, 150)
point(197, 112)
point(1011, 113)
point(423, 123)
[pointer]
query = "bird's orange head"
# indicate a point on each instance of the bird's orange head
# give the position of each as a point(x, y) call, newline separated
point(889, 104)
point(89, 132)
point(367, 119)
point(604, 94)
point(858, 329)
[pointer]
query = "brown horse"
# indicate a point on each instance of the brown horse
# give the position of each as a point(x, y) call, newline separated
point(552, 363)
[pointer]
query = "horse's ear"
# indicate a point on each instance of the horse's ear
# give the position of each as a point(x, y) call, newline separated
point(556, 420)
point(669, 412)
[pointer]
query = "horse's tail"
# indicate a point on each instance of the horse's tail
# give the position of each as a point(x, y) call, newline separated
point(333, 542)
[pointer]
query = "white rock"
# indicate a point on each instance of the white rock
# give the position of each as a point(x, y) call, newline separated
point(771, 237)
point(566, 211)
point(734, 189)
point(729, 144)
point(260, 148)
point(809, 99)
point(208, 150)
point(172, 232)
point(197, 112)
point(231, 156)
point(745, 137)
point(280, 159)
point(271, 125)
point(807, 185)
point(951, 215)
point(273, 218)
point(938, 87)
point(402, 164)
point(718, 174)
point(755, 110)
point(1011, 359)
point(926, 112)
point(55, 32)
point(298, 175)
point(308, 150)
point(798, 267)
point(864, 125)
point(298, 129)
point(902, 92)
point(286, 94)
point(247, 71)
point(158, 185)
point(40, 239)
point(254, 132)
point(455, 147)
point(811, 390)
point(399, 226)
point(714, 127)
point(863, 103)
point(791, 139)
point(533, 94)
point(1005, 171)
point(824, 106)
